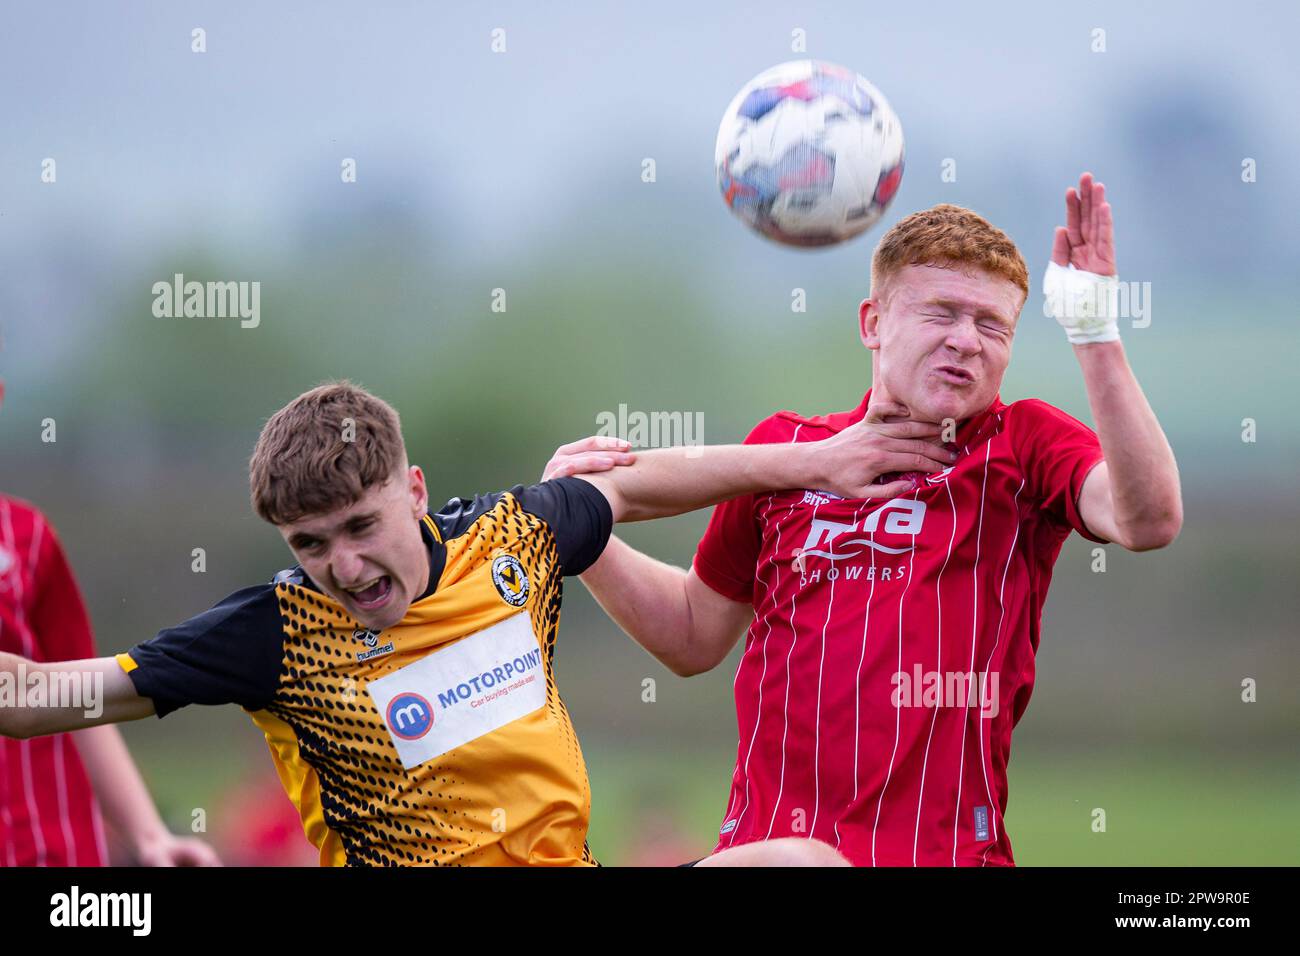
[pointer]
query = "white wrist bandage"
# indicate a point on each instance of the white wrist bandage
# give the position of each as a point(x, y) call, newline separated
point(1084, 303)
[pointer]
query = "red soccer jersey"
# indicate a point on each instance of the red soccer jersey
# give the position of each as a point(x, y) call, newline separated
point(892, 648)
point(48, 814)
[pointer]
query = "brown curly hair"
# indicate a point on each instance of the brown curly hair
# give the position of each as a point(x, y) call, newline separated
point(323, 451)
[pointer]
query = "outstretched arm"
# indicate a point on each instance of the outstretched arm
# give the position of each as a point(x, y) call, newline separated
point(671, 481)
point(681, 621)
point(671, 612)
point(1133, 497)
point(65, 695)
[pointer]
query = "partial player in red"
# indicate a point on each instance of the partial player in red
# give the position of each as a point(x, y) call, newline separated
point(49, 814)
point(890, 642)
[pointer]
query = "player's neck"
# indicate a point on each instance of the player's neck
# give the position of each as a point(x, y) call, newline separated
point(880, 395)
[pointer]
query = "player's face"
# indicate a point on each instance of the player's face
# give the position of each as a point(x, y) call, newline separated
point(368, 556)
point(933, 322)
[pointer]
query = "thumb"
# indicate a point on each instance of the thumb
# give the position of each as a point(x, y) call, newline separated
point(880, 411)
point(1061, 246)
point(890, 490)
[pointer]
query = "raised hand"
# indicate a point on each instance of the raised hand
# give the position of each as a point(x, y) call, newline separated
point(1087, 240)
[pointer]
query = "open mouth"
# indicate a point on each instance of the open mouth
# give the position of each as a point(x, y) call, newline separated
point(372, 594)
point(955, 375)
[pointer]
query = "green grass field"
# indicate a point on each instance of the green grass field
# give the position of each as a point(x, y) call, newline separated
point(1166, 807)
point(1174, 810)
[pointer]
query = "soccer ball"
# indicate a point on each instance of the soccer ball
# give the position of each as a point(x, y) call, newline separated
point(809, 154)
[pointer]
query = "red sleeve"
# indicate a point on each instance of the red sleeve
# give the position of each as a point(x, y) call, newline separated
point(1056, 452)
point(59, 621)
point(727, 557)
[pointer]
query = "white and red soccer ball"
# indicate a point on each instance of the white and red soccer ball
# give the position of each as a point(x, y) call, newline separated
point(809, 154)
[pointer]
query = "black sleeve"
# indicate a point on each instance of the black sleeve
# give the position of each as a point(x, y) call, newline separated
point(576, 512)
point(579, 517)
point(230, 654)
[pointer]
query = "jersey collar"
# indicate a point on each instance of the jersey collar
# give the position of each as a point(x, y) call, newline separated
point(437, 558)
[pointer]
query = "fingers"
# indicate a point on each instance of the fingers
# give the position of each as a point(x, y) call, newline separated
point(1085, 206)
point(929, 458)
point(594, 443)
point(588, 455)
point(1088, 239)
point(1094, 225)
point(1106, 236)
point(880, 413)
point(1087, 221)
point(915, 454)
point(585, 464)
point(931, 455)
point(910, 429)
point(1073, 217)
point(577, 465)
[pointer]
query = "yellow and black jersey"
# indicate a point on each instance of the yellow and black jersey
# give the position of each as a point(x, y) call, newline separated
point(442, 740)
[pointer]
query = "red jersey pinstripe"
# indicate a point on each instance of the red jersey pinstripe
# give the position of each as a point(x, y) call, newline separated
point(48, 814)
point(892, 648)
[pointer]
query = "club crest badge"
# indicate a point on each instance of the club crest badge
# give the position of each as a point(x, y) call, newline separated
point(510, 580)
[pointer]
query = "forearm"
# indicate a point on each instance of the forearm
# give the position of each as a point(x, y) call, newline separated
point(671, 481)
point(50, 698)
point(646, 598)
point(13, 721)
point(1145, 492)
point(118, 786)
